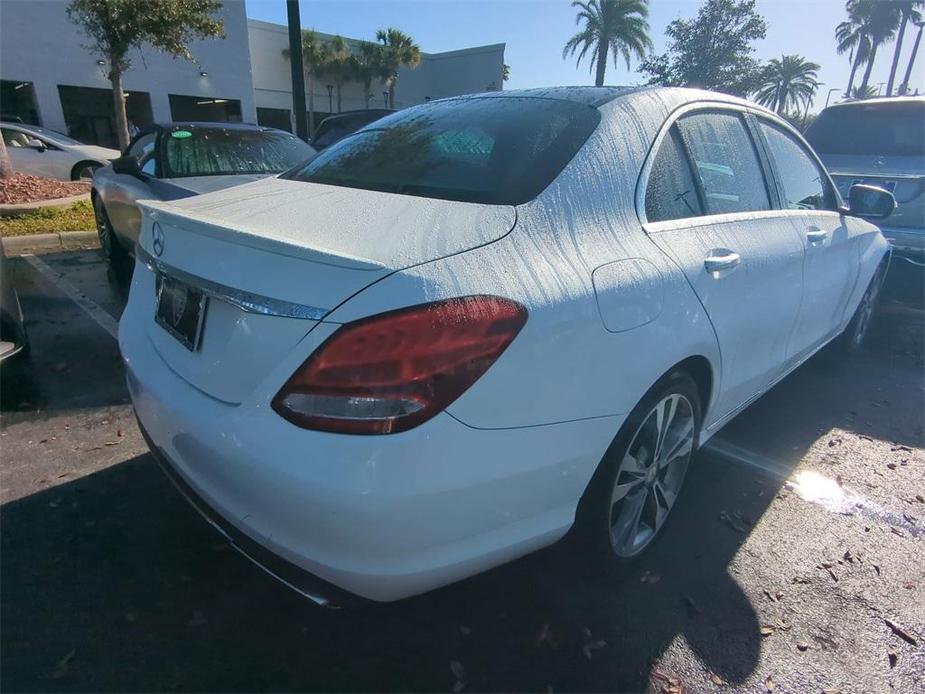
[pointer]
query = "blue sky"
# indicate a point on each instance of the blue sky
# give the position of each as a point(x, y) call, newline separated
point(535, 31)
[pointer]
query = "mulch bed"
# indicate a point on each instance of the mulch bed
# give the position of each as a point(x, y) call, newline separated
point(22, 188)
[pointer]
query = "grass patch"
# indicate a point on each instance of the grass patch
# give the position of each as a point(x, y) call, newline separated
point(47, 220)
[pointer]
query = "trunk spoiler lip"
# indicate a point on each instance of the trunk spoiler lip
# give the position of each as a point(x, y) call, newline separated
point(217, 229)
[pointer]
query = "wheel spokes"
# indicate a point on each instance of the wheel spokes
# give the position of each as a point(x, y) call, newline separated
point(626, 529)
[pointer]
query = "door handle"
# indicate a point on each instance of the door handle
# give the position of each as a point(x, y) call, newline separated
point(721, 260)
point(815, 235)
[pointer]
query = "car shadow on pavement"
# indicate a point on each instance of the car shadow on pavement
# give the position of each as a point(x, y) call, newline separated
point(112, 582)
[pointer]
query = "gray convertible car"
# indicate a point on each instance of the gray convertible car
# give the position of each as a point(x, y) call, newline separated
point(177, 160)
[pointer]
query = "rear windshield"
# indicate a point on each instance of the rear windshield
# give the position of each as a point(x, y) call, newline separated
point(197, 151)
point(870, 129)
point(501, 150)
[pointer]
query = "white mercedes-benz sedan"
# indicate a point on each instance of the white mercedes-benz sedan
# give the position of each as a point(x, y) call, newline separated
point(480, 323)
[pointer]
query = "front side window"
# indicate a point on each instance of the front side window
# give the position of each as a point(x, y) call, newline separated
point(671, 192)
point(725, 162)
point(217, 151)
point(498, 150)
point(15, 138)
point(804, 184)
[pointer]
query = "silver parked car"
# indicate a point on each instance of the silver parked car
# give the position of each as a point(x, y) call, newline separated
point(178, 160)
point(880, 142)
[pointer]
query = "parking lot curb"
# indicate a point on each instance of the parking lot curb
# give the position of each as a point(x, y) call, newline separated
point(58, 241)
point(15, 210)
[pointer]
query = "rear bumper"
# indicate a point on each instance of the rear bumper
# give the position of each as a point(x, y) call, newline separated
point(382, 517)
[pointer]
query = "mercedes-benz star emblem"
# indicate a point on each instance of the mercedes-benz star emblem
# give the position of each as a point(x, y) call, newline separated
point(158, 239)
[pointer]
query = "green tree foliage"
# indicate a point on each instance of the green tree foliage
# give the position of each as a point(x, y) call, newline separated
point(314, 59)
point(713, 50)
point(117, 26)
point(909, 11)
point(904, 85)
point(609, 26)
point(397, 51)
point(851, 37)
point(788, 83)
point(339, 66)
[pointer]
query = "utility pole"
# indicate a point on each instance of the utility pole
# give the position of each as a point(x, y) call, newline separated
point(295, 61)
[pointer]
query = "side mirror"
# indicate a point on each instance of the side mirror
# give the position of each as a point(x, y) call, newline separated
point(36, 144)
point(870, 202)
point(127, 165)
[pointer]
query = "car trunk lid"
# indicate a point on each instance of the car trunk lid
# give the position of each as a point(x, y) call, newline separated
point(275, 256)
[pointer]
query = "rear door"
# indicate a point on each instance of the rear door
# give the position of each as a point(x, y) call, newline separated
point(708, 207)
point(830, 261)
point(121, 199)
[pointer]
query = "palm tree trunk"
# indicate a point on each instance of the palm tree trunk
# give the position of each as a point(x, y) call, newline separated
point(339, 88)
point(854, 66)
point(367, 85)
point(904, 87)
point(6, 166)
point(118, 103)
point(601, 63)
point(896, 52)
point(311, 103)
point(870, 66)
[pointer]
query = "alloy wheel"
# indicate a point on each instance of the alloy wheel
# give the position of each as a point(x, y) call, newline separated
point(102, 228)
point(865, 312)
point(650, 475)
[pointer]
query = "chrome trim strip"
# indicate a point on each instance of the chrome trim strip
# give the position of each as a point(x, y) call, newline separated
point(246, 301)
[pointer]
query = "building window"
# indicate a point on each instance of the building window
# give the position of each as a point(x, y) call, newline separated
point(89, 115)
point(275, 118)
point(204, 108)
point(18, 99)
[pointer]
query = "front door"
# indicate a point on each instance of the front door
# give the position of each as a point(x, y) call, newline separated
point(831, 260)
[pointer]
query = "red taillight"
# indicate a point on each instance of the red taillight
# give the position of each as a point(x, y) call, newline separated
point(392, 371)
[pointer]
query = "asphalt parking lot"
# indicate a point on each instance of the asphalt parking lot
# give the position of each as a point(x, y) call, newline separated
point(795, 560)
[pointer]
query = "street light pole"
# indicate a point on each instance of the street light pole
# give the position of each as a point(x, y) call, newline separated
point(330, 102)
point(295, 62)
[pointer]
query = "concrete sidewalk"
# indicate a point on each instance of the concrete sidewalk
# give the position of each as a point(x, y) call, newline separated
point(58, 241)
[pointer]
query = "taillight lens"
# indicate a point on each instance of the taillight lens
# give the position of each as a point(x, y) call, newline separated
point(390, 372)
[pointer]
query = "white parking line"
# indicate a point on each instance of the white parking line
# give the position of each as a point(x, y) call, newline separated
point(88, 305)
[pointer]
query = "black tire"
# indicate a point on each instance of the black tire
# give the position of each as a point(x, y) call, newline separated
point(593, 533)
point(84, 170)
point(852, 338)
point(109, 243)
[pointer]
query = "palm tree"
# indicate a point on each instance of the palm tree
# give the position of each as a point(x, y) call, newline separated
point(904, 87)
point(909, 10)
point(610, 25)
point(788, 82)
point(366, 65)
point(398, 50)
point(851, 36)
point(338, 66)
point(314, 57)
point(881, 20)
point(866, 93)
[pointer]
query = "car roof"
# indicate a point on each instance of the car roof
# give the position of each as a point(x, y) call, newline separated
point(881, 100)
point(360, 112)
point(212, 124)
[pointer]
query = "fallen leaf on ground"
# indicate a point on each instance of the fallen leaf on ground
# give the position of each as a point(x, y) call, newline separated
point(774, 595)
point(802, 646)
point(766, 630)
point(593, 646)
point(897, 531)
point(892, 658)
point(769, 684)
point(113, 443)
point(901, 633)
point(920, 498)
point(901, 448)
point(61, 669)
point(458, 686)
point(459, 672)
point(717, 680)
point(732, 523)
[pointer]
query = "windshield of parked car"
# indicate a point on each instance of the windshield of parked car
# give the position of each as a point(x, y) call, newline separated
point(332, 130)
point(894, 128)
point(498, 150)
point(53, 135)
point(197, 151)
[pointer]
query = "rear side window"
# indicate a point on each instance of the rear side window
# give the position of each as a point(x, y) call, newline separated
point(725, 162)
point(804, 184)
point(498, 150)
point(671, 192)
point(884, 129)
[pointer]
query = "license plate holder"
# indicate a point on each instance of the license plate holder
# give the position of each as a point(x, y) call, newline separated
point(180, 310)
